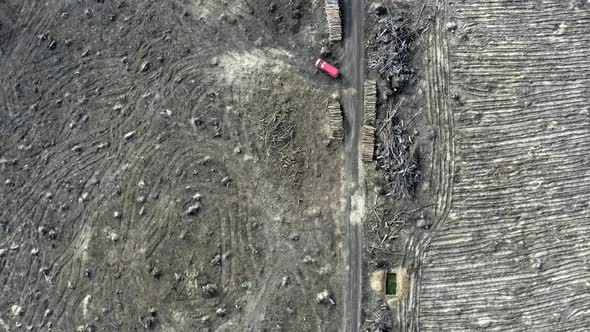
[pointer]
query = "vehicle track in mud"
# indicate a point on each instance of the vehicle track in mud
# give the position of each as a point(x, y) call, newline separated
point(434, 90)
point(352, 101)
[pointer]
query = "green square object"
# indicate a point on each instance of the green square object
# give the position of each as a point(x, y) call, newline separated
point(390, 283)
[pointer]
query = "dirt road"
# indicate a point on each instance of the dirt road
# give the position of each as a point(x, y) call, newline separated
point(352, 104)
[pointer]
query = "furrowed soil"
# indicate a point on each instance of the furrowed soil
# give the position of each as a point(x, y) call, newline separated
point(502, 242)
point(509, 250)
point(166, 166)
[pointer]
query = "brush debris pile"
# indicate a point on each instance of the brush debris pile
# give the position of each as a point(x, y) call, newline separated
point(396, 155)
point(391, 55)
point(392, 51)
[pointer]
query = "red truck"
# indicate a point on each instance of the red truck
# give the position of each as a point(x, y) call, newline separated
point(327, 68)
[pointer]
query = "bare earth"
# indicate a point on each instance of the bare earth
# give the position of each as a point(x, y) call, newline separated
point(166, 165)
point(508, 90)
point(170, 166)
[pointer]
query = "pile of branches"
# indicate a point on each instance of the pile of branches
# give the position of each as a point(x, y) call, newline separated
point(278, 130)
point(392, 50)
point(389, 220)
point(396, 155)
point(277, 135)
point(380, 322)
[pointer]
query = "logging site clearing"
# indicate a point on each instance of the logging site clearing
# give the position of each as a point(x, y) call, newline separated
point(182, 165)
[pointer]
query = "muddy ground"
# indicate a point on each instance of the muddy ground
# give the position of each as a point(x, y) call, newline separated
point(166, 166)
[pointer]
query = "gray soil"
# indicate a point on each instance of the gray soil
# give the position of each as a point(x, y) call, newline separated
point(166, 166)
point(510, 246)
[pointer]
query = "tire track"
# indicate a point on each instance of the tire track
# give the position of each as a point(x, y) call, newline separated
point(441, 170)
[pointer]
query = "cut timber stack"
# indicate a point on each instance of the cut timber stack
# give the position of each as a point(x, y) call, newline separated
point(336, 121)
point(333, 18)
point(370, 107)
point(368, 143)
point(370, 103)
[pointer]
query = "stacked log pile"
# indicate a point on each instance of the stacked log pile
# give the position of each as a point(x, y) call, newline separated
point(336, 121)
point(370, 103)
point(368, 134)
point(368, 143)
point(333, 18)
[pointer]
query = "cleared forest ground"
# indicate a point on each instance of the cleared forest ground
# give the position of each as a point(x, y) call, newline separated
point(166, 165)
point(510, 86)
point(170, 165)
